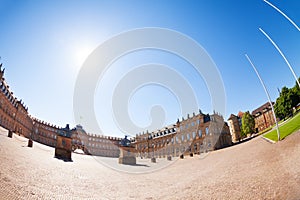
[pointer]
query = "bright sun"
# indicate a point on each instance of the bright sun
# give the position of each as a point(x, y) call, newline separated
point(81, 53)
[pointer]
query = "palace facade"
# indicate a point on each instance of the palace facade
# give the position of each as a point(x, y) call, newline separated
point(193, 135)
point(94, 144)
point(14, 117)
point(44, 132)
point(13, 113)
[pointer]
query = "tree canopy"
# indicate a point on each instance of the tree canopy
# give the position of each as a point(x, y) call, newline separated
point(289, 98)
point(248, 124)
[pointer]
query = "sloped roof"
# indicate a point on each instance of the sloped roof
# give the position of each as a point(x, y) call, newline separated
point(231, 116)
point(261, 108)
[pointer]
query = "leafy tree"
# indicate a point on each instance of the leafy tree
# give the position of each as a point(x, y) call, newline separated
point(288, 99)
point(297, 89)
point(248, 124)
point(279, 108)
point(283, 106)
point(294, 96)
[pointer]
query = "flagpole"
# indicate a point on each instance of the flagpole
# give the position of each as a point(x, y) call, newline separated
point(266, 91)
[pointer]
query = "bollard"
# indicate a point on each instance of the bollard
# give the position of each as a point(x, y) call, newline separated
point(10, 133)
point(169, 158)
point(30, 143)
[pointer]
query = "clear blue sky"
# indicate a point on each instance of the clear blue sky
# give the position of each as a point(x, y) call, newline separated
point(44, 43)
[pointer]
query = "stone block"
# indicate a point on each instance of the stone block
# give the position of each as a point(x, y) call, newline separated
point(127, 160)
point(127, 156)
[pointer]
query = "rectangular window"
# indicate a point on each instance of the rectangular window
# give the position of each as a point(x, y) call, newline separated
point(206, 130)
point(200, 133)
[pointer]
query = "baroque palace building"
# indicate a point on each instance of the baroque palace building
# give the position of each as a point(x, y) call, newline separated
point(13, 113)
point(193, 135)
point(14, 117)
point(94, 144)
point(44, 132)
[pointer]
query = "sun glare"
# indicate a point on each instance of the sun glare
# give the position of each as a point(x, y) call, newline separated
point(81, 53)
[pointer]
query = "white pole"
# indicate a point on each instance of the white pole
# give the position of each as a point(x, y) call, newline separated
point(266, 91)
point(282, 55)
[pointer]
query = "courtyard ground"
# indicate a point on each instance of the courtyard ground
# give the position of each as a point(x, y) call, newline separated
point(252, 170)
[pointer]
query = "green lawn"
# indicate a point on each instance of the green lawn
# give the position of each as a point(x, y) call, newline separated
point(288, 128)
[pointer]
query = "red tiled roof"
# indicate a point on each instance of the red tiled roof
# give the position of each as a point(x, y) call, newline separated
point(240, 114)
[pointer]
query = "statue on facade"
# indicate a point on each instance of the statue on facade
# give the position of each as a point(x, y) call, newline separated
point(125, 142)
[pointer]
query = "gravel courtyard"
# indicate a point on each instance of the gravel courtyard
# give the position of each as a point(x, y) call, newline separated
point(252, 170)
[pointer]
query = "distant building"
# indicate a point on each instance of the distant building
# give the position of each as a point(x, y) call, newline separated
point(235, 124)
point(263, 117)
point(94, 144)
point(194, 135)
